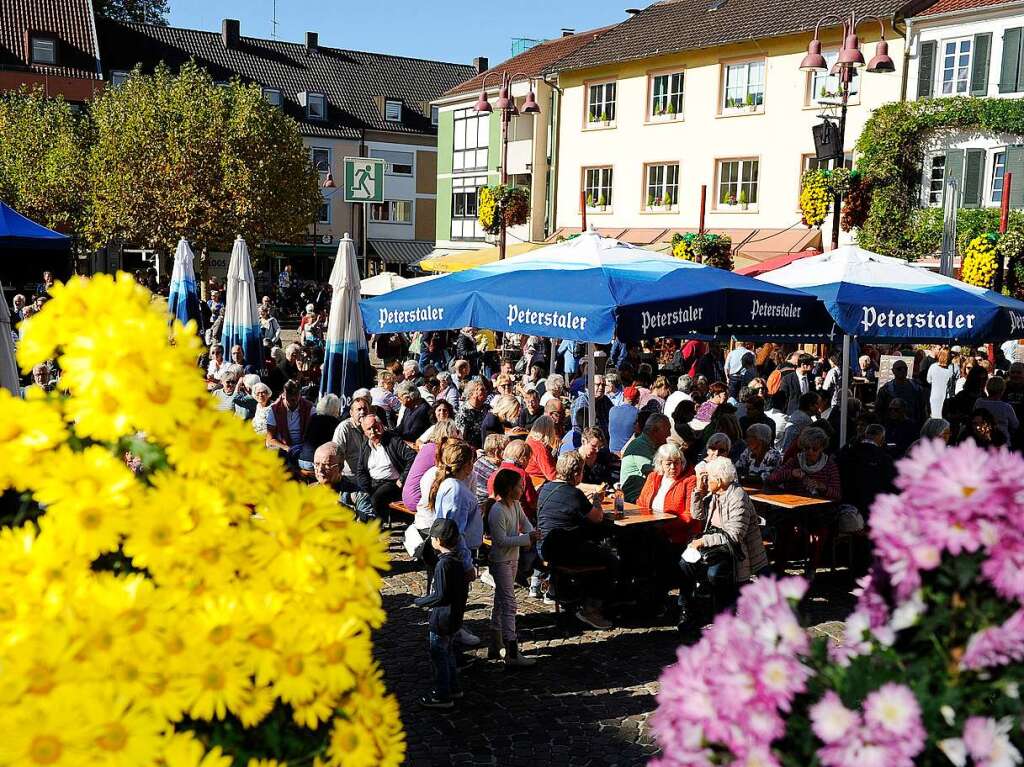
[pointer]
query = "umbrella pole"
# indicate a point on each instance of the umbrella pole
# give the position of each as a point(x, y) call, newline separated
point(591, 402)
point(551, 362)
point(844, 406)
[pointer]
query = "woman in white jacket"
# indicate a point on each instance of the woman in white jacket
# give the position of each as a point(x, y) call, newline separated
point(510, 531)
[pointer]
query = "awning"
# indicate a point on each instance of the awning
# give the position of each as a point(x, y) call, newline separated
point(400, 251)
point(776, 263)
point(456, 261)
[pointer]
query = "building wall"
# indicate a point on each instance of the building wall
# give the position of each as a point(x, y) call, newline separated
point(71, 88)
point(960, 27)
point(778, 136)
point(405, 188)
point(341, 212)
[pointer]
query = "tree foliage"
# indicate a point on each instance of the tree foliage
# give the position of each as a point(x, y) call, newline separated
point(891, 149)
point(177, 155)
point(143, 11)
point(42, 158)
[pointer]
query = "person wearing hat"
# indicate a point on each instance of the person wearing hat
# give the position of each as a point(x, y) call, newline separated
point(449, 590)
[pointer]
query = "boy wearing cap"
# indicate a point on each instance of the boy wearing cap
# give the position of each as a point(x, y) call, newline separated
point(447, 602)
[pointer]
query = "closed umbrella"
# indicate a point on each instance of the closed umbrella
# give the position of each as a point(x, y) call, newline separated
point(347, 358)
point(241, 321)
point(183, 297)
point(8, 367)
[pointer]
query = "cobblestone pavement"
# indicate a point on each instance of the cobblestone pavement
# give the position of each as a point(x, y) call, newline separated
point(588, 700)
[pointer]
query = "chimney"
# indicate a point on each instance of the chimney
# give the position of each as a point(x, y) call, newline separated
point(312, 42)
point(481, 64)
point(229, 32)
point(568, 31)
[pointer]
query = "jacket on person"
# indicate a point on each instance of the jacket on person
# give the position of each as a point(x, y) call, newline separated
point(280, 429)
point(790, 385)
point(415, 421)
point(401, 456)
point(867, 471)
point(448, 594)
point(677, 501)
point(732, 512)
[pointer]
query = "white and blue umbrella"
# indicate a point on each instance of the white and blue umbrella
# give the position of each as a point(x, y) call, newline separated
point(346, 358)
point(8, 367)
point(241, 320)
point(183, 297)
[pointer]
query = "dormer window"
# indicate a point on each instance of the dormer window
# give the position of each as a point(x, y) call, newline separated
point(316, 105)
point(435, 115)
point(42, 50)
point(118, 76)
point(393, 111)
point(273, 96)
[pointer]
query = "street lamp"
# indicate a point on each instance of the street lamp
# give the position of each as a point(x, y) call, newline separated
point(850, 58)
point(506, 105)
point(327, 184)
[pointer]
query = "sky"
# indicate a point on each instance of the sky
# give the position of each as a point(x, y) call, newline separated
point(445, 30)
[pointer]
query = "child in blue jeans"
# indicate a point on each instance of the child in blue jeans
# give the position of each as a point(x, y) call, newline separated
point(447, 602)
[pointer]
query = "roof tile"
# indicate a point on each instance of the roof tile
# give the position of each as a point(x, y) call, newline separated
point(71, 21)
point(949, 6)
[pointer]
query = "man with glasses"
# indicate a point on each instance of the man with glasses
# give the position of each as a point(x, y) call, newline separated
point(602, 404)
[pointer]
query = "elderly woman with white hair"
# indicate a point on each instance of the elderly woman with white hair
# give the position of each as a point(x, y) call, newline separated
point(261, 392)
point(761, 458)
point(554, 388)
point(320, 428)
point(730, 550)
point(414, 412)
point(668, 489)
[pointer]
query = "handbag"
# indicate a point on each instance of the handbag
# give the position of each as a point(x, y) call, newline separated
point(413, 542)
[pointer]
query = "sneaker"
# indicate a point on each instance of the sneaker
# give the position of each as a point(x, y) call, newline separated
point(467, 638)
point(487, 579)
point(431, 701)
point(594, 619)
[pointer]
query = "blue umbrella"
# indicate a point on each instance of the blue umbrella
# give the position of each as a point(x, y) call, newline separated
point(183, 297)
point(592, 288)
point(347, 358)
point(241, 321)
point(886, 300)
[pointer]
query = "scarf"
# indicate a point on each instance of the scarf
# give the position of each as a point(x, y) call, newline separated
point(813, 468)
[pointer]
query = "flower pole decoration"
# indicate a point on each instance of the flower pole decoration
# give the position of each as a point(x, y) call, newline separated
point(500, 202)
point(711, 249)
point(979, 266)
point(197, 609)
point(819, 187)
point(932, 661)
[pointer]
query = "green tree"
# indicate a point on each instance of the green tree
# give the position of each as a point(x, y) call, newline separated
point(177, 155)
point(144, 11)
point(42, 158)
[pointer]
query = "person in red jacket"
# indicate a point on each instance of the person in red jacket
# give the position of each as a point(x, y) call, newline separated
point(287, 420)
point(544, 441)
point(668, 489)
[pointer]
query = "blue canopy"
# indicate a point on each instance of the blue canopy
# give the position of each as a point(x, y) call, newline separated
point(18, 231)
point(592, 288)
point(887, 300)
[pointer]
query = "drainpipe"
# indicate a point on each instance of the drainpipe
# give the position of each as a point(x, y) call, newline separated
point(555, 123)
point(906, 32)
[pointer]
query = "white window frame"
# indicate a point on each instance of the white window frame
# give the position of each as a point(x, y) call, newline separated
point(467, 186)
point(392, 206)
point(389, 167)
point(392, 111)
point(667, 183)
point(435, 115)
point(605, 179)
point(934, 188)
point(47, 41)
point(809, 159)
point(471, 137)
point(675, 95)
point(746, 85)
point(752, 165)
point(325, 205)
point(269, 92)
point(995, 176)
point(607, 102)
point(322, 99)
point(118, 77)
point(830, 81)
point(955, 82)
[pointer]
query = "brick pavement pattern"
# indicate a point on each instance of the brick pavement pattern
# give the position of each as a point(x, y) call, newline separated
point(587, 701)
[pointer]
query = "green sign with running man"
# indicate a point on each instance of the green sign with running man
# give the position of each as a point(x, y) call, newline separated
point(364, 180)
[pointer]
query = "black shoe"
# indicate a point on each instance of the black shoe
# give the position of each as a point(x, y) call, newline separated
point(431, 701)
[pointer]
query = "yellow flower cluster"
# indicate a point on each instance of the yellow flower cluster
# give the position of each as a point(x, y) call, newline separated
point(814, 198)
point(979, 266)
point(245, 592)
point(681, 249)
point(488, 208)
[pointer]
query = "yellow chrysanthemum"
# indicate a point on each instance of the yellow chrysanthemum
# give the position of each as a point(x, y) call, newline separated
point(183, 750)
point(122, 735)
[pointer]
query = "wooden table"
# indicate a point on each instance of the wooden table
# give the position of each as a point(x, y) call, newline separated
point(785, 500)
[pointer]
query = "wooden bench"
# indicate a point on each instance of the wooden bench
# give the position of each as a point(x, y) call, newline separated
point(557, 572)
point(401, 508)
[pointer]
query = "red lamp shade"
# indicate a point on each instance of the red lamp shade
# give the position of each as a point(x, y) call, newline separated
point(814, 61)
point(482, 104)
point(503, 99)
point(881, 62)
point(329, 181)
point(530, 106)
point(850, 55)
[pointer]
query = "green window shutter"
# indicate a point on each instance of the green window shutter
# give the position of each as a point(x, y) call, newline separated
point(926, 68)
point(974, 175)
point(954, 169)
point(1009, 68)
point(979, 67)
point(1015, 165)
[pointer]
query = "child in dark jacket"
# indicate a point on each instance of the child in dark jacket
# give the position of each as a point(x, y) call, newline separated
point(447, 602)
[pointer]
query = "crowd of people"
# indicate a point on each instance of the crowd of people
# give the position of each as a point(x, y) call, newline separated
point(508, 463)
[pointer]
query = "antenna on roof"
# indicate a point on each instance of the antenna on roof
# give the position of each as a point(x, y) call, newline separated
point(716, 5)
point(273, 23)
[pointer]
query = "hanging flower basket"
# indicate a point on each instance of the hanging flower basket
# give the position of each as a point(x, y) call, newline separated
point(503, 201)
point(979, 266)
point(711, 249)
